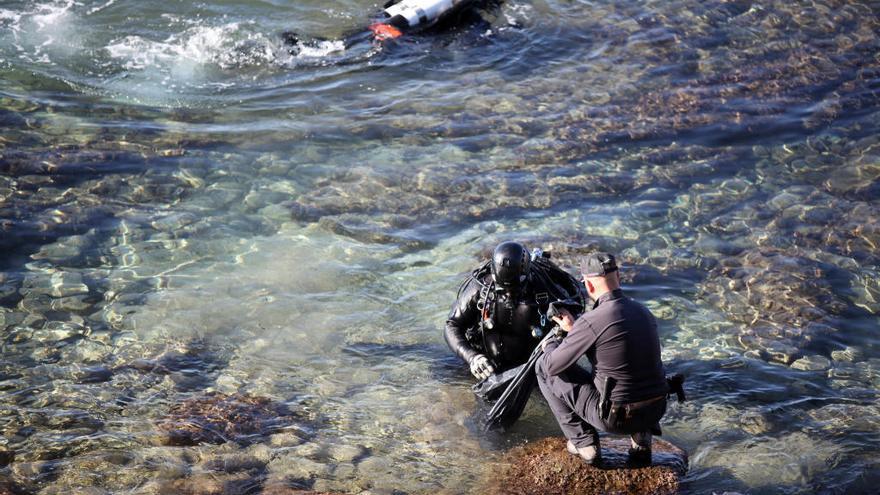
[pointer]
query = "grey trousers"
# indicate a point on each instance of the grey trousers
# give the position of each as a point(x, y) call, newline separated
point(574, 401)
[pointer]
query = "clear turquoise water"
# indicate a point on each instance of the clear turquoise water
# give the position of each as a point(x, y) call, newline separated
point(177, 188)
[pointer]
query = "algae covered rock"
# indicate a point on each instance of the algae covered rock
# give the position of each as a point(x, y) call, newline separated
point(217, 418)
point(546, 467)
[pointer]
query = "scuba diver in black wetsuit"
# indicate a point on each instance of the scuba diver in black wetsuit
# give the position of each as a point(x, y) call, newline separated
point(500, 314)
point(403, 17)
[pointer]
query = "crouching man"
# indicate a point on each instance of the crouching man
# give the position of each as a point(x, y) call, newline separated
point(626, 391)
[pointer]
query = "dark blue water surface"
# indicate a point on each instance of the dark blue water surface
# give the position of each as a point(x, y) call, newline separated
point(225, 262)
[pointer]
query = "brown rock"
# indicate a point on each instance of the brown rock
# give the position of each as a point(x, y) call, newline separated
point(218, 418)
point(545, 467)
point(6, 456)
point(272, 489)
point(211, 484)
point(7, 487)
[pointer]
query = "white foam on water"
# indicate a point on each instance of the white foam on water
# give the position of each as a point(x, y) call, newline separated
point(159, 71)
point(205, 45)
point(226, 47)
point(202, 58)
point(320, 49)
point(187, 54)
point(42, 30)
point(195, 46)
point(101, 7)
point(135, 50)
point(55, 15)
point(517, 13)
point(8, 15)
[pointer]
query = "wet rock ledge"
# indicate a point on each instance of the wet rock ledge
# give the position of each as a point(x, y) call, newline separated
point(545, 467)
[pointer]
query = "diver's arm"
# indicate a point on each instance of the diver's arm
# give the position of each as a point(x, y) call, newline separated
point(463, 315)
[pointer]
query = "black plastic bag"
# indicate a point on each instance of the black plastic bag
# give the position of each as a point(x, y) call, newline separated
point(491, 388)
point(517, 385)
point(505, 412)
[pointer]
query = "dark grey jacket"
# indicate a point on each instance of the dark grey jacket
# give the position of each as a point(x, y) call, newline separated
point(619, 337)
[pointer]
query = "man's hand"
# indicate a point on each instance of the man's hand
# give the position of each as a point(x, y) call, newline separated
point(564, 320)
point(481, 368)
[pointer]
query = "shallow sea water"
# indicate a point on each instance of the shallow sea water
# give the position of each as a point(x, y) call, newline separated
point(189, 208)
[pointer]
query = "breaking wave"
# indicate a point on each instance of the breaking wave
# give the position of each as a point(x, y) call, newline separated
point(35, 33)
point(227, 47)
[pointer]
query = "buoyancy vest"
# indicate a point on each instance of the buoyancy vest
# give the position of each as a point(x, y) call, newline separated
point(510, 329)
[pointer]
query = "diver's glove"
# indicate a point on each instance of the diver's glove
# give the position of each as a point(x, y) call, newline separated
point(481, 368)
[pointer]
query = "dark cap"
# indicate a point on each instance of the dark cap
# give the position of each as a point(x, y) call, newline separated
point(597, 264)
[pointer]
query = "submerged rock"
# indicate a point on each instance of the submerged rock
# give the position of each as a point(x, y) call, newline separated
point(8, 487)
point(781, 460)
point(848, 354)
point(57, 284)
point(812, 363)
point(783, 300)
point(276, 489)
point(207, 484)
point(219, 418)
point(293, 470)
point(6, 456)
point(546, 467)
point(846, 418)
